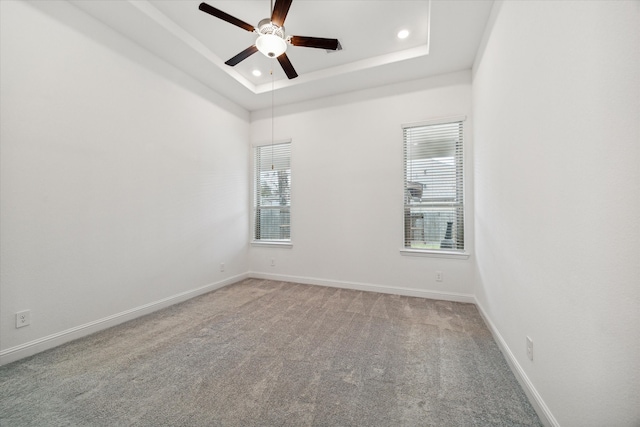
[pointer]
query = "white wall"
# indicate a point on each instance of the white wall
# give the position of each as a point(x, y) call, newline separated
point(347, 215)
point(120, 186)
point(557, 161)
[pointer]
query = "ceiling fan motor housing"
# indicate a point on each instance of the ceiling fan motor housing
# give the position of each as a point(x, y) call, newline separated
point(272, 39)
point(267, 27)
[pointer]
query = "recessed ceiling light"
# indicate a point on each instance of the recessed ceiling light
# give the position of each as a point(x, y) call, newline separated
point(403, 34)
point(257, 73)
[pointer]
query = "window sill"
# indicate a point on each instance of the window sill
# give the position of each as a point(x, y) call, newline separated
point(267, 244)
point(434, 254)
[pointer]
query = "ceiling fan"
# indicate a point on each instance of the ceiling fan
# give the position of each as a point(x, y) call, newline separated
point(272, 41)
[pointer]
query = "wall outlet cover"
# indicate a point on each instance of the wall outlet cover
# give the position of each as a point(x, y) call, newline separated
point(23, 318)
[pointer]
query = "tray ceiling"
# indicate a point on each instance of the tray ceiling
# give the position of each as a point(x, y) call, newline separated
point(444, 37)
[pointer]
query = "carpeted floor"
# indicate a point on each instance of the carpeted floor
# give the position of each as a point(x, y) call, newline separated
point(265, 353)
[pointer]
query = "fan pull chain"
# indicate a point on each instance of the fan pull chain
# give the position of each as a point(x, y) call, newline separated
point(272, 114)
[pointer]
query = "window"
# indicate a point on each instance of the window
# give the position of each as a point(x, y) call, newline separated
point(272, 199)
point(433, 186)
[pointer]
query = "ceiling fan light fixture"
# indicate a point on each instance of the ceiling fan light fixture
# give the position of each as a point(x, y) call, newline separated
point(272, 41)
point(271, 46)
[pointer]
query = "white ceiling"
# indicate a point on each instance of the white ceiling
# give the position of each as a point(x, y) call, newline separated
point(444, 37)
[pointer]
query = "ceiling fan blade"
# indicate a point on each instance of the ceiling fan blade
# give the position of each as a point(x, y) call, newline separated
point(280, 10)
point(286, 66)
point(225, 17)
point(318, 42)
point(242, 55)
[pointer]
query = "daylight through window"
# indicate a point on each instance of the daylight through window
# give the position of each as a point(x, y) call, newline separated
point(273, 193)
point(433, 187)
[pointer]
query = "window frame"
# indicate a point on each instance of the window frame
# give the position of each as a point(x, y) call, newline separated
point(438, 253)
point(254, 206)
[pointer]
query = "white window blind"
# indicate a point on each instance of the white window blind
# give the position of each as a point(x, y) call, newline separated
point(272, 197)
point(433, 186)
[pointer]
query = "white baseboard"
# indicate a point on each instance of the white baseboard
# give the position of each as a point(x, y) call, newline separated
point(36, 346)
point(41, 344)
point(538, 404)
point(410, 292)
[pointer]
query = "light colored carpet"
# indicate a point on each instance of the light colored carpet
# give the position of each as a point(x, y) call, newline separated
point(265, 353)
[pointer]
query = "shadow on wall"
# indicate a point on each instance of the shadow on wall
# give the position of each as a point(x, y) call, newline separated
point(88, 26)
point(380, 92)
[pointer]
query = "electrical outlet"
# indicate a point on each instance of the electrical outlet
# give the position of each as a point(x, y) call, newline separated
point(23, 318)
point(438, 276)
point(222, 266)
point(529, 348)
point(273, 262)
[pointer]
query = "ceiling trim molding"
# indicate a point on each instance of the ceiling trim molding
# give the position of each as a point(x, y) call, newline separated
point(187, 38)
point(488, 29)
point(145, 7)
point(346, 68)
